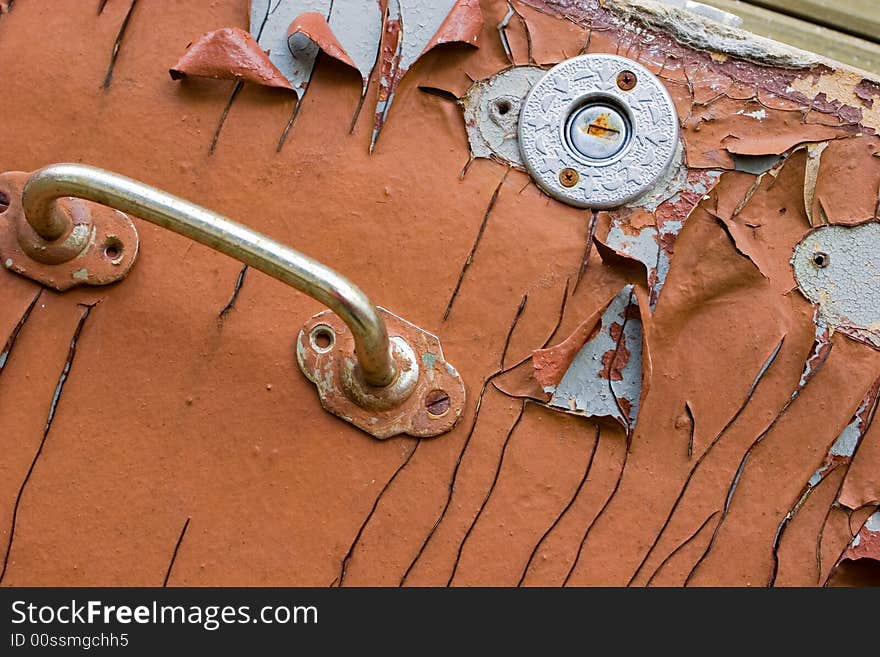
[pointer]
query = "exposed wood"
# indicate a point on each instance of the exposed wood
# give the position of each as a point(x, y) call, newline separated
point(857, 17)
point(835, 45)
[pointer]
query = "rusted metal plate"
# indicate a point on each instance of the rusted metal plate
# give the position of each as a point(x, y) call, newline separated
point(431, 403)
point(100, 248)
point(182, 403)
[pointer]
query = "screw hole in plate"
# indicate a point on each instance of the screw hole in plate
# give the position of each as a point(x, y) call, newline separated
point(821, 259)
point(113, 249)
point(322, 338)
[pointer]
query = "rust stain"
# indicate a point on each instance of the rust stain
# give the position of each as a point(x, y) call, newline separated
point(615, 360)
point(601, 127)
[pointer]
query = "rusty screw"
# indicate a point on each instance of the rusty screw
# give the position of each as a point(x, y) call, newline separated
point(437, 402)
point(569, 177)
point(626, 80)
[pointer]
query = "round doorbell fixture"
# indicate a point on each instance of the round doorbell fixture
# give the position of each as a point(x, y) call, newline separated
point(598, 131)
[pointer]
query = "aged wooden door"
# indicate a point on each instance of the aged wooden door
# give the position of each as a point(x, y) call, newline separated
point(158, 430)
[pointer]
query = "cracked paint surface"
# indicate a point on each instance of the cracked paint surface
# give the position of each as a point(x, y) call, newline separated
point(372, 36)
point(209, 459)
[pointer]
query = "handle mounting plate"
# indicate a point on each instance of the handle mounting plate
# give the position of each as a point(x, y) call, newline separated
point(325, 351)
point(104, 242)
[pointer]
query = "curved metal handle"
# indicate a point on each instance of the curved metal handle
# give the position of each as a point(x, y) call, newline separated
point(47, 185)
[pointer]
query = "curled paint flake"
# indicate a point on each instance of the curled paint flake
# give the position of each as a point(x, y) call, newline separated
point(351, 35)
point(640, 243)
point(413, 28)
point(605, 377)
point(229, 53)
point(867, 91)
point(290, 33)
point(294, 56)
point(653, 243)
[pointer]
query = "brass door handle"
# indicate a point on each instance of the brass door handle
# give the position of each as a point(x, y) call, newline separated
point(362, 372)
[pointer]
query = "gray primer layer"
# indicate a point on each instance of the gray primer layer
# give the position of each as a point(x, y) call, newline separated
point(357, 25)
point(420, 21)
point(270, 20)
point(583, 390)
point(847, 290)
point(490, 132)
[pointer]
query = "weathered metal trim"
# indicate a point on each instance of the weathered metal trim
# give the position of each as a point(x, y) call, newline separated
point(580, 178)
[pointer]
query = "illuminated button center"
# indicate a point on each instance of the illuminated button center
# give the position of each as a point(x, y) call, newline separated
point(598, 131)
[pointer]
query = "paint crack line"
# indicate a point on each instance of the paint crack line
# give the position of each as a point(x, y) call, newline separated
point(350, 553)
point(174, 554)
point(114, 53)
point(564, 511)
point(239, 281)
point(813, 367)
point(65, 372)
point(469, 260)
point(751, 392)
point(681, 547)
point(491, 490)
point(596, 519)
point(464, 447)
point(6, 354)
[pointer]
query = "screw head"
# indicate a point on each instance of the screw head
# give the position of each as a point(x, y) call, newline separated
point(437, 403)
point(569, 177)
point(626, 80)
